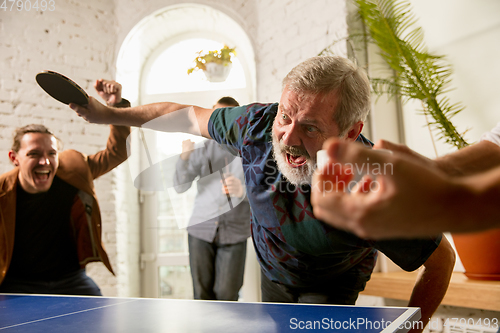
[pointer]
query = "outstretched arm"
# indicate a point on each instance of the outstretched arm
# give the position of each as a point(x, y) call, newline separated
point(167, 116)
point(467, 161)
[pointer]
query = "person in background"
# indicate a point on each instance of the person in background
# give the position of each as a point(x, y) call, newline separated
point(302, 259)
point(218, 228)
point(50, 224)
point(457, 192)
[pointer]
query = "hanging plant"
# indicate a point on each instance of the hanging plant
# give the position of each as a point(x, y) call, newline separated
point(390, 25)
point(215, 64)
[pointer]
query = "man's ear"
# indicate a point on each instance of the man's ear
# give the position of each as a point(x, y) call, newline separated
point(354, 131)
point(13, 157)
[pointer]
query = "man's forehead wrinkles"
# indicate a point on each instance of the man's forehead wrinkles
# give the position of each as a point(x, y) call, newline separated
point(308, 120)
point(303, 116)
point(282, 107)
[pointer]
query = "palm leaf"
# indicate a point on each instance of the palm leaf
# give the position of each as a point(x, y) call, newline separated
point(418, 74)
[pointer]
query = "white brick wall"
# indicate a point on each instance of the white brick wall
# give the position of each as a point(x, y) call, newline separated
point(289, 32)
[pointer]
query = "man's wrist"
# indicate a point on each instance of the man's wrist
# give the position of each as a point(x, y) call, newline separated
point(461, 196)
point(445, 164)
point(123, 103)
point(185, 156)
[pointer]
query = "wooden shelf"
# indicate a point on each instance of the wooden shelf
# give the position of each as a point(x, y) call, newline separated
point(462, 292)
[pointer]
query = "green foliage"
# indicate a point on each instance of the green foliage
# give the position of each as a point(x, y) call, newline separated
point(222, 56)
point(390, 25)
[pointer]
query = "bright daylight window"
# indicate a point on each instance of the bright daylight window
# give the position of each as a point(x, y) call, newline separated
point(168, 73)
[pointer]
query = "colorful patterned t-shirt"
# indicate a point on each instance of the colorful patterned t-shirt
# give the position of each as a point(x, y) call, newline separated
point(293, 247)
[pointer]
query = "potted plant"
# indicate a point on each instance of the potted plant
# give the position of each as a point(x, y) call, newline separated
point(216, 64)
point(389, 24)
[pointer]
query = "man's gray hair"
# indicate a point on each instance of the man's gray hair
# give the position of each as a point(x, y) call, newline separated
point(326, 74)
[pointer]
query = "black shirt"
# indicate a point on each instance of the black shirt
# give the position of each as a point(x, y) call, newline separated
point(44, 244)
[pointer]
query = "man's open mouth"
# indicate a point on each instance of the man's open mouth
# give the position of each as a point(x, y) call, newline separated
point(295, 161)
point(42, 175)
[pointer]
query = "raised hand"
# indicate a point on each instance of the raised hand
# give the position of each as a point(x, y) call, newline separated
point(110, 91)
point(187, 149)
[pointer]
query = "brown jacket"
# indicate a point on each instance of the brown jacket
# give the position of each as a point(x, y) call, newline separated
point(78, 170)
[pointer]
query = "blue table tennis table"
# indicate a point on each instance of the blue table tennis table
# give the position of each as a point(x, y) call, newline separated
point(72, 314)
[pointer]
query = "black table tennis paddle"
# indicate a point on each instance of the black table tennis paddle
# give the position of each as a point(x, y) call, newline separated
point(62, 88)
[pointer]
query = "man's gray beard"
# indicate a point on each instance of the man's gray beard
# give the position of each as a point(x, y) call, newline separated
point(297, 176)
